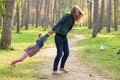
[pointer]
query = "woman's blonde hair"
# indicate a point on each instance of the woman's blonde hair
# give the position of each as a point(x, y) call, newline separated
point(77, 13)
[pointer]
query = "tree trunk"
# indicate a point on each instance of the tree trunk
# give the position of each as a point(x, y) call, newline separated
point(14, 20)
point(57, 10)
point(0, 21)
point(27, 15)
point(46, 20)
point(63, 6)
point(54, 11)
point(45, 15)
point(115, 15)
point(48, 13)
point(37, 12)
point(95, 28)
point(40, 17)
point(89, 14)
point(118, 12)
point(82, 5)
point(101, 16)
point(33, 17)
point(51, 13)
point(18, 17)
point(7, 24)
point(109, 9)
point(23, 18)
point(33, 14)
point(70, 4)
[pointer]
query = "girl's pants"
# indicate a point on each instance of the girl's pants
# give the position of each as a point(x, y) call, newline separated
point(24, 56)
point(62, 46)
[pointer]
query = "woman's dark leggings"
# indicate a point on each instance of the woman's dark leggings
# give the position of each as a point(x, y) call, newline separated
point(62, 46)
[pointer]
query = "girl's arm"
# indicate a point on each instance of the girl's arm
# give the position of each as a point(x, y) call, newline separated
point(41, 39)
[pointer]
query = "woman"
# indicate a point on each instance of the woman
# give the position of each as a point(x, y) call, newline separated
point(61, 29)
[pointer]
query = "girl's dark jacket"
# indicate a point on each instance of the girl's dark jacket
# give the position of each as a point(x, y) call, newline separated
point(64, 25)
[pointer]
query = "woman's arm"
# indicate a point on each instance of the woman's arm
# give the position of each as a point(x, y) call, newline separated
point(61, 21)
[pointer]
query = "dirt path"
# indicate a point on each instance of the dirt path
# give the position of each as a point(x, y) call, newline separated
point(77, 71)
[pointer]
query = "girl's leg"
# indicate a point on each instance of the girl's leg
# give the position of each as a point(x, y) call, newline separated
point(24, 56)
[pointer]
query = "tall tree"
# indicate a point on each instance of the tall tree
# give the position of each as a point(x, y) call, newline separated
point(70, 4)
point(89, 14)
point(95, 28)
point(54, 11)
point(18, 16)
point(63, 6)
point(27, 15)
point(37, 12)
point(109, 14)
point(7, 24)
point(33, 12)
point(23, 14)
point(59, 9)
point(118, 12)
point(115, 15)
point(82, 4)
point(40, 17)
point(51, 12)
point(46, 14)
point(101, 15)
point(0, 21)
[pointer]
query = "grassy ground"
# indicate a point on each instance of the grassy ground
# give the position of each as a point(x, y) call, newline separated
point(105, 62)
point(28, 69)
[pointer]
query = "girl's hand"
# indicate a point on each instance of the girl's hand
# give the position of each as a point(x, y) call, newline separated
point(45, 40)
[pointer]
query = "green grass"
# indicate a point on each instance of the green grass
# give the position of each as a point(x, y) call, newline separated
point(106, 62)
point(29, 68)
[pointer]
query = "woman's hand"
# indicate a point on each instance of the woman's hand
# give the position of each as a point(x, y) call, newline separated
point(50, 32)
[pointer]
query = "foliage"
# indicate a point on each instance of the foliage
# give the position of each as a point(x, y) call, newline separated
point(2, 7)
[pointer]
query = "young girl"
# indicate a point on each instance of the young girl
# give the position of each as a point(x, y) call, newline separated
point(30, 50)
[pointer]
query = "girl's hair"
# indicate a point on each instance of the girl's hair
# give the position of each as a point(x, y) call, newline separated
point(77, 13)
point(39, 35)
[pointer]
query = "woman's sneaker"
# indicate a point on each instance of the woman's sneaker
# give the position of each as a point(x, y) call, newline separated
point(63, 70)
point(56, 73)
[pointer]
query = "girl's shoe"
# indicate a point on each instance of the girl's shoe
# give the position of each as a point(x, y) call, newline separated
point(65, 71)
point(10, 65)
